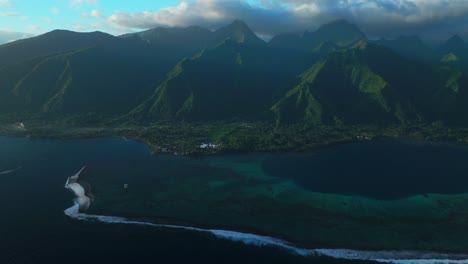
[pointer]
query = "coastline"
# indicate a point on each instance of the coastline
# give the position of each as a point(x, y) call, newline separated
point(235, 137)
point(82, 203)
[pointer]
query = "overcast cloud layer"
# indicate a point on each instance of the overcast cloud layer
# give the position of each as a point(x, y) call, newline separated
point(377, 18)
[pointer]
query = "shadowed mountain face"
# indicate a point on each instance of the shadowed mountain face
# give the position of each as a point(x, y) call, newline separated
point(230, 81)
point(53, 42)
point(330, 76)
point(98, 73)
point(371, 84)
point(411, 47)
point(110, 78)
point(454, 53)
point(340, 33)
point(237, 32)
point(455, 45)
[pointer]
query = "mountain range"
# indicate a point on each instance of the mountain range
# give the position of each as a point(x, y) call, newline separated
point(334, 75)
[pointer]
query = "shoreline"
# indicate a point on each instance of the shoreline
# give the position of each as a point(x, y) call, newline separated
point(236, 137)
point(82, 203)
point(151, 145)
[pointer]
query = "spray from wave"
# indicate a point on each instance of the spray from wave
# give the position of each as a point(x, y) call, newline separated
point(82, 203)
point(10, 171)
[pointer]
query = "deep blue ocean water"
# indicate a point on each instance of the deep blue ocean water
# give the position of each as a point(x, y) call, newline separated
point(384, 169)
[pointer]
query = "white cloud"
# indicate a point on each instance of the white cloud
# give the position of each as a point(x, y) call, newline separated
point(9, 36)
point(78, 27)
point(96, 14)
point(93, 14)
point(35, 30)
point(269, 17)
point(78, 3)
point(47, 20)
point(9, 14)
point(54, 10)
point(6, 3)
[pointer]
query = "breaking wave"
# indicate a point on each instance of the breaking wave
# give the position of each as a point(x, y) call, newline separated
point(396, 257)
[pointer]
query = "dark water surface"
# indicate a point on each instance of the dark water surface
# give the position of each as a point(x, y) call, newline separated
point(34, 229)
point(383, 170)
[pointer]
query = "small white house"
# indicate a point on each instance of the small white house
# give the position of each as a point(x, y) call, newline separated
point(208, 146)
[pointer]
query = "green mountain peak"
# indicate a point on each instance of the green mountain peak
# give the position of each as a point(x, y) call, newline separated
point(239, 32)
point(450, 58)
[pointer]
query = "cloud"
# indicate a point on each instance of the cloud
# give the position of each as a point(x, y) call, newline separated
point(54, 10)
point(47, 20)
point(208, 13)
point(9, 14)
point(9, 36)
point(35, 29)
point(270, 17)
point(78, 27)
point(93, 14)
point(6, 3)
point(78, 3)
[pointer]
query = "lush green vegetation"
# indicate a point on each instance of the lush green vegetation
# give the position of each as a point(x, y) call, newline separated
point(179, 88)
point(186, 138)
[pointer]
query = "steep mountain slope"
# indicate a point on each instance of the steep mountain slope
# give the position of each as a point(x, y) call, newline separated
point(104, 80)
point(411, 47)
point(237, 79)
point(237, 32)
point(191, 40)
point(372, 85)
point(177, 42)
point(110, 77)
point(340, 32)
point(56, 41)
point(231, 81)
point(455, 45)
point(234, 75)
point(454, 53)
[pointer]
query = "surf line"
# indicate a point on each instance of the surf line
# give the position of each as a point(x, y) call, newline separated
point(82, 203)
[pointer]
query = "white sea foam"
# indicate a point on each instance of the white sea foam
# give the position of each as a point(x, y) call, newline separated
point(82, 200)
point(422, 261)
point(394, 257)
point(75, 177)
point(10, 171)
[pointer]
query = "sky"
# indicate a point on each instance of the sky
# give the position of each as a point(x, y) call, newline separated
point(431, 19)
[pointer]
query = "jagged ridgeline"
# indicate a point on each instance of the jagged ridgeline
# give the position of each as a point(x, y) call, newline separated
point(334, 75)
